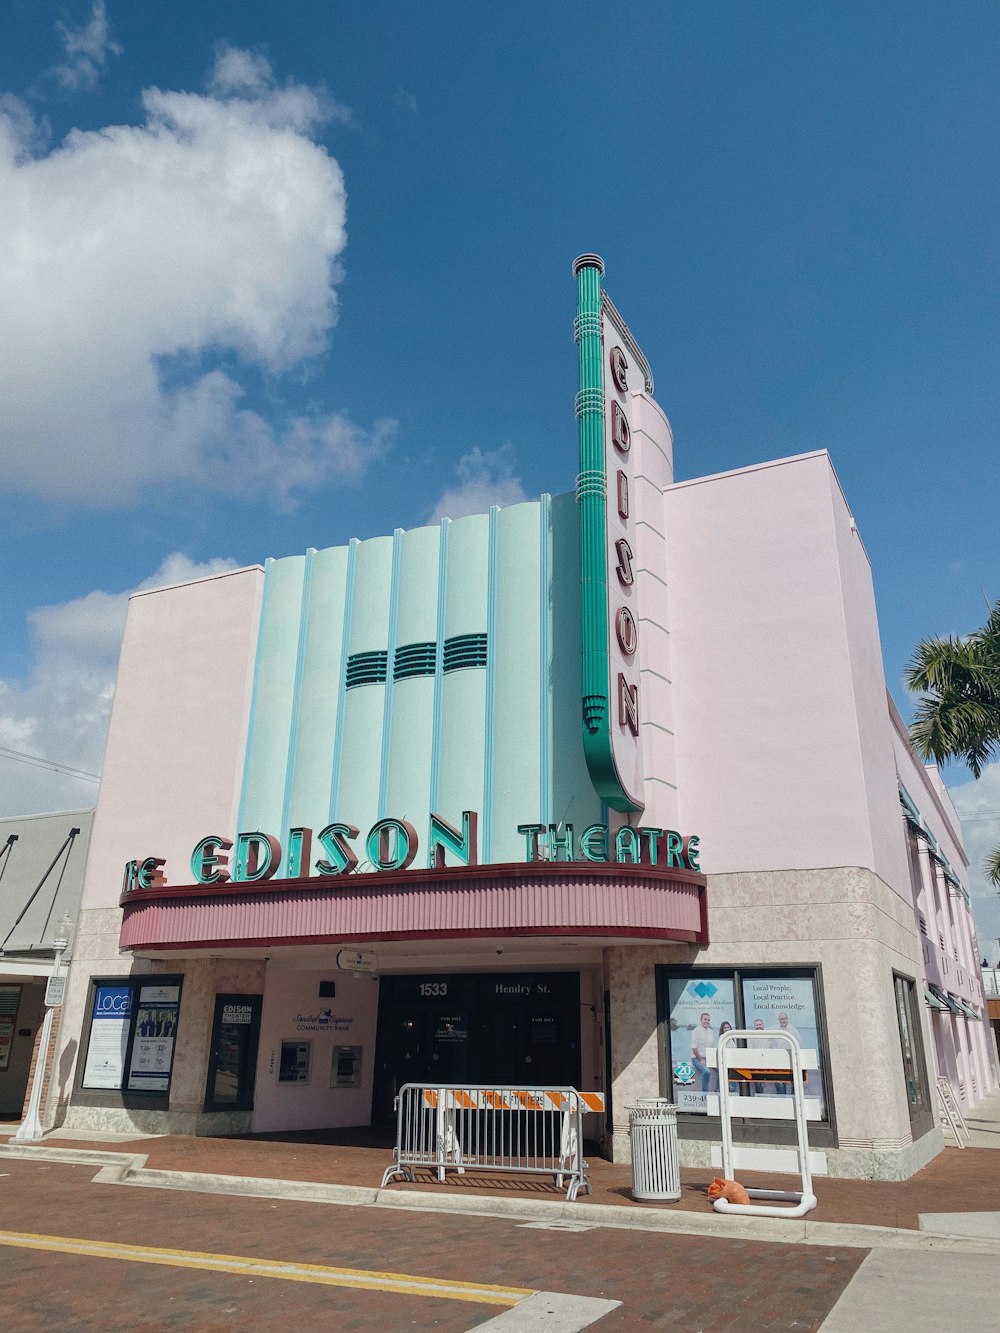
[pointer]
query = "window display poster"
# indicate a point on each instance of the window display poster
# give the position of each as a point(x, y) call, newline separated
point(787, 1004)
point(699, 1008)
point(153, 1043)
point(108, 1037)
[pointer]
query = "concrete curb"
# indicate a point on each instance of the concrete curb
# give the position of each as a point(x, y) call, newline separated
point(130, 1169)
point(73, 1156)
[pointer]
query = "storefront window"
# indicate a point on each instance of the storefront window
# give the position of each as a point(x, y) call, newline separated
point(232, 1062)
point(10, 998)
point(911, 1042)
point(131, 1035)
point(697, 1007)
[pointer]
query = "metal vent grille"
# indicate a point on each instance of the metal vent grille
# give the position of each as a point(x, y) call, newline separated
point(465, 651)
point(366, 669)
point(414, 659)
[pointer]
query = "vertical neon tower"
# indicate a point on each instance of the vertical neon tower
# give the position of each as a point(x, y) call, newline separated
point(611, 737)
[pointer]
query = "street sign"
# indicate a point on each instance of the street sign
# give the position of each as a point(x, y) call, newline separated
point(352, 960)
point(54, 992)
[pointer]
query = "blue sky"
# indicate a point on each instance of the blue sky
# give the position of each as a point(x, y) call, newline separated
point(328, 291)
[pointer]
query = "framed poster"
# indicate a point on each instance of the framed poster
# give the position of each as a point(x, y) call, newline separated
point(699, 1008)
point(111, 1015)
point(152, 1059)
point(784, 1003)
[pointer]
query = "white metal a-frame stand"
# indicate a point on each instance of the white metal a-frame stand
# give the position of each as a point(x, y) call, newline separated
point(951, 1112)
point(783, 1058)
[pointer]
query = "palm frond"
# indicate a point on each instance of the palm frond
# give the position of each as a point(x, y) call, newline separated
point(958, 715)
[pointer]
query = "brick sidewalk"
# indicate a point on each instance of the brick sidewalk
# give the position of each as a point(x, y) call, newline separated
point(679, 1282)
point(956, 1181)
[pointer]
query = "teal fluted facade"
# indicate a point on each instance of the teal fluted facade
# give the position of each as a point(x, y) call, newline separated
point(501, 739)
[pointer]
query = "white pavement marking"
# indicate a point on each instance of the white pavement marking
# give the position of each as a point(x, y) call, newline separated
point(929, 1292)
point(982, 1226)
point(550, 1311)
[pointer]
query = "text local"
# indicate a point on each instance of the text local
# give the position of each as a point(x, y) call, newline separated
point(392, 844)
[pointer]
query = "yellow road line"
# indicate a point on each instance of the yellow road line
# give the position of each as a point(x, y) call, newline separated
point(481, 1293)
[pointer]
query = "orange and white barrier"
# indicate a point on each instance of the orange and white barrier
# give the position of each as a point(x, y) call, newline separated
point(513, 1099)
point(537, 1131)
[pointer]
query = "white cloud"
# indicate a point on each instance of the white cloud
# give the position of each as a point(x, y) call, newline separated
point(87, 50)
point(978, 804)
point(132, 256)
point(22, 134)
point(60, 712)
point(404, 99)
point(483, 480)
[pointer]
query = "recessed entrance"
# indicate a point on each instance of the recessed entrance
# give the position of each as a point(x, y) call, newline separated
point(509, 1029)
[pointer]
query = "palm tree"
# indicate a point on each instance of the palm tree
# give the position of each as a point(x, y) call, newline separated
point(958, 715)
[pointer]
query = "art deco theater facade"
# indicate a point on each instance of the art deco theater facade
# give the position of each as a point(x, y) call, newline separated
point(542, 796)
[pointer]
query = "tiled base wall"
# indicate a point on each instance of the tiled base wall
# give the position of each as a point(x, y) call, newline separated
point(121, 1120)
point(852, 1163)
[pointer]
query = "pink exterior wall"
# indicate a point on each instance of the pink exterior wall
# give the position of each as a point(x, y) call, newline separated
point(652, 445)
point(291, 998)
point(950, 951)
point(174, 759)
point(874, 731)
point(777, 672)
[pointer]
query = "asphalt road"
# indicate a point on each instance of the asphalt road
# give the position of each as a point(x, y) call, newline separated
point(79, 1255)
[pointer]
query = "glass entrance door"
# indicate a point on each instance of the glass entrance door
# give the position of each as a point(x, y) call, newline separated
point(232, 1061)
point(502, 1029)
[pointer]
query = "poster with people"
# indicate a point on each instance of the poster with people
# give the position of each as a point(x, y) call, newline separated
point(700, 1009)
point(783, 1004)
point(153, 1042)
point(110, 1018)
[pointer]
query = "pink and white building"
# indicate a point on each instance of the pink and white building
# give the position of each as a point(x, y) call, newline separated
point(545, 795)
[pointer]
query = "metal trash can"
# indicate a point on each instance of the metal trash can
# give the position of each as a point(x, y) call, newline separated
point(652, 1129)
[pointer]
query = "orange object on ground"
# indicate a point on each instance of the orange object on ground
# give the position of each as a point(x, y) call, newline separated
point(730, 1190)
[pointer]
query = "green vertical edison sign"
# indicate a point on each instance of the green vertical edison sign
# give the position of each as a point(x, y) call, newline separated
point(605, 410)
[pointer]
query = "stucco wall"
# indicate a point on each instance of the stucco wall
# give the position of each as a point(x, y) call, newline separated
point(172, 773)
point(857, 932)
point(203, 979)
point(291, 1004)
point(774, 648)
point(174, 757)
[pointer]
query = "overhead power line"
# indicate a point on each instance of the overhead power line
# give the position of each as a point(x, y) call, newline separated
point(36, 761)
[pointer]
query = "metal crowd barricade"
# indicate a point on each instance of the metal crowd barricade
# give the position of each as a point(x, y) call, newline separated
point(526, 1131)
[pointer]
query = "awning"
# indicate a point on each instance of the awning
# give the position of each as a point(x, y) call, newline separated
point(950, 1002)
point(968, 1010)
point(935, 1001)
point(542, 898)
